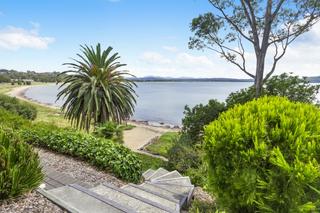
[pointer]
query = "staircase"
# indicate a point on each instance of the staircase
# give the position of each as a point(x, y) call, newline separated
point(162, 191)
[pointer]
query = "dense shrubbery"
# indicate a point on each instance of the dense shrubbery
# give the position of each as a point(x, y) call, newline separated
point(284, 85)
point(20, 169)
point(110, 130)
point(101, 152)
point(264, 157)
point(195, 118)
point(10, 120)
point(14, 105)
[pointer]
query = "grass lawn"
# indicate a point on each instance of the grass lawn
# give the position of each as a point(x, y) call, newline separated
point(163, 144)
point(149, 162)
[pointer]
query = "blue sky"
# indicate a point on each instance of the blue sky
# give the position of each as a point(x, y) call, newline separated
point(150, 35)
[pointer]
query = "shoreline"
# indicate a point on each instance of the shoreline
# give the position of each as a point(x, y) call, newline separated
point(157, 127)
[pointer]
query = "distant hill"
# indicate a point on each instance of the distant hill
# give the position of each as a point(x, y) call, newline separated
point(8, 75)
point(186, 79)
point(314, 79)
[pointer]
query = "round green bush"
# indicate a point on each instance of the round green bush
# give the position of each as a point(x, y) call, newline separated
point(264, 156)
point(20, 169)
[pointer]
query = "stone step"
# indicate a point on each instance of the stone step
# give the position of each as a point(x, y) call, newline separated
point(173, 174)
point(129, 199)
point(77, 199)
point(178, 189)
point(181, 198)
point(148, 173)
point(159, 172)
point(173, 204)
point(180, 181)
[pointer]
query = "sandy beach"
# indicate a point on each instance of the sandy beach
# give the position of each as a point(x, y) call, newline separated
point(134, 139)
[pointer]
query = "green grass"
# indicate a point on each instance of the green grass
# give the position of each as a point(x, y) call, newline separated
point(163, 144)
point(149, 162)
point(128, 127)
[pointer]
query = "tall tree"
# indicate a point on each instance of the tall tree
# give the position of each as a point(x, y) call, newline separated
point(267, 27)
point(94, 90)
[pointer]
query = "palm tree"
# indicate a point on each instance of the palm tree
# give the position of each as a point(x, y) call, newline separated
point(94, 90)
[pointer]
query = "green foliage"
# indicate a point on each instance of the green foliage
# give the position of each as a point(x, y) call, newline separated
point(264, 156)
point(284, 85)
point(187, 159)
point(100, 152)
point(149, 162)
point(197, 117)
point(110, 130)
point(292, 87)
point(13, 121)
point(4, 79)
point(16, 76)
point(20, 169)
point(94, 89)
point(203, 207)
point(14, 105)
point(163, 144)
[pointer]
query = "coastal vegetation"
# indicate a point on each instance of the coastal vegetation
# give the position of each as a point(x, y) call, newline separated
point(161, 145)
point(263, 156)
point(7, 76)
point(266, 27)
point(20, 169)
point(25, 110)
point(95, 90)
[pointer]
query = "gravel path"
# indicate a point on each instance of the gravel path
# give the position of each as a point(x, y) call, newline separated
point(34, 202)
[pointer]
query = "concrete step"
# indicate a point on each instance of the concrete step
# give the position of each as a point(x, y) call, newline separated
point(77, 199)
point(148, 173)
point(159, 172)
point(178, 189)
point(172, 204)
point(180, 198)
point(180, 181)
point(173, 174)
point(126, 198)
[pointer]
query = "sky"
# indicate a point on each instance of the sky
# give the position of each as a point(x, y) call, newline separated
point(151, 37)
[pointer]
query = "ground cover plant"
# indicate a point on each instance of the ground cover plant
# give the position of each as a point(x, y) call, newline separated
point(101, 152)
point(20, 169)
point(163, 144)
point(264, 156)
point(14, 105)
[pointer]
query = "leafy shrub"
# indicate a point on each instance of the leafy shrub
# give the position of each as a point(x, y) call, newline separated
point(264, 157)
point(110, 130)
point(161, 145)
point(195, 118)
point(187, 159)
point(10, 120)
point(101, 152)
point(20, 169)
point(284, 85)
point(203, 207)
point(14, 105)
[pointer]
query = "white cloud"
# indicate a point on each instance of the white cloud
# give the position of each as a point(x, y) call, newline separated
point(14, 38)
point(170, 48)
point(154, 58)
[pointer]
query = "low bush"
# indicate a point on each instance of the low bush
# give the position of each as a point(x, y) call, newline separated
point(163, 144)
point(20, 169)
point(25, 110)
point(197, 117)
point(110, 130)
point(10, 120)
point(264, 156)
point(101, 152)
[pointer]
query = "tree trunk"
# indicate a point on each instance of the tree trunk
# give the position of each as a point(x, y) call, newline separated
point(259, 73)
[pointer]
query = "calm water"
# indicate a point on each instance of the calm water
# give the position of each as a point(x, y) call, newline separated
point(158, 101)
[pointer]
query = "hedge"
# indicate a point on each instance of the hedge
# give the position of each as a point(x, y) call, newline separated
point(104, 153)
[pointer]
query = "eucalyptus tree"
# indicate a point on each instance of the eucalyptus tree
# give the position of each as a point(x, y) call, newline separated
point(266, 27)
point(95, 90)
